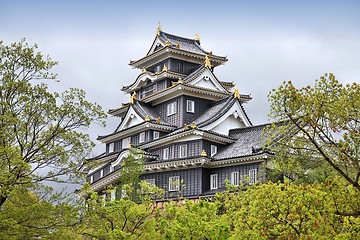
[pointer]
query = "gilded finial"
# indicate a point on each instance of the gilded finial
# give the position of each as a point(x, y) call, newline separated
point(186, 127)
point(147, 118)
point(167, 43)
point(129, 145)
point(207, 62)
point(180, 80)
point(210, 54)
point(193, 125)
point(133, 98)
point(143, 70)
point(236, 92)
point(158, 120)
point(203, 153)
point(165, 69)
point(197, 37)
point(178, 46)
point(158, 29)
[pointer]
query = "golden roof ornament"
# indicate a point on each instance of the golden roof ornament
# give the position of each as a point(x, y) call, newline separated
point(197, 37)
point(147, 118)
point(203, 153)
point(180, 80)
point(143, 70)
point(193, 125)
point(158, 29)
point(133, 98)
point(186, 127)
point(236, 92)
point(210, 54)
point(178, 46)
point(165, 69)
point(129, 145)
point(207, 62)
point(158, 120)
point(167, 43)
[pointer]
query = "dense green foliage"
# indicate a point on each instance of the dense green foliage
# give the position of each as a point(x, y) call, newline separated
point(40, 137)
point(319, 135)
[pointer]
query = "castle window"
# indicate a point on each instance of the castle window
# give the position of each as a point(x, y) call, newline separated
point(235, 178)
point(101, 173)
point(150, 181)
point(111, 147)
point(166, 153)
point(126, 142)
point(91, 178)
point(113, 195)
point(190, 106)
point(181, 67)
point(156, 135)
point(171, 108)
point(213, 181)
point(183, 151)
point(213, 150)
point(252, 176)
point(142, 137)
point(174, 183)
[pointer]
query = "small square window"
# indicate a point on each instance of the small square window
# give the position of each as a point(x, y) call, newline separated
point(183, 151)
point(166, 153)
point(190, 106)
point(156, 135)
point(142, 137)
point(213, 150)
point(213, 181)
point(235, 178)
point(174, 183)
point(171, 108)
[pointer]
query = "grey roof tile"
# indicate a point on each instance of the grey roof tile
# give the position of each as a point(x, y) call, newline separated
point(249, 142)
point(215, 111)
point(187, 44)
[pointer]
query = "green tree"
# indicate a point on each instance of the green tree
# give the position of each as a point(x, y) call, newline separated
point(132, 214)
point(292, 211)
point(319, 131)
point(37, 214)
point(193, 220)
point(40, 131)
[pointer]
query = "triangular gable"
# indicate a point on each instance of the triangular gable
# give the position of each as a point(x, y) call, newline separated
point(235, 117)
point(208, 80)
point(131, 118)
point(158, 43)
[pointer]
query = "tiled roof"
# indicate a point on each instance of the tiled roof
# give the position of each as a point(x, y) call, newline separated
point(195, 73)
point(215, 111)
point(187, 44)
point(143, 110)
point(249, 142)
point(155, 77)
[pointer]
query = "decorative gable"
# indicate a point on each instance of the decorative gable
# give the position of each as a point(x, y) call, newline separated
point(131, 119)
point(234, 117)
point(157, 44)
point(207, 80)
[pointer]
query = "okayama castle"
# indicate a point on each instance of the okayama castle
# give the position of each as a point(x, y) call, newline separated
point(192, 126)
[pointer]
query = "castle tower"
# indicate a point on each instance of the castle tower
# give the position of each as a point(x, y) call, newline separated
point(192, 126)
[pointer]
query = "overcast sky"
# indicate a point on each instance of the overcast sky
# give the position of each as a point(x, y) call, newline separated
point(266, 42)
